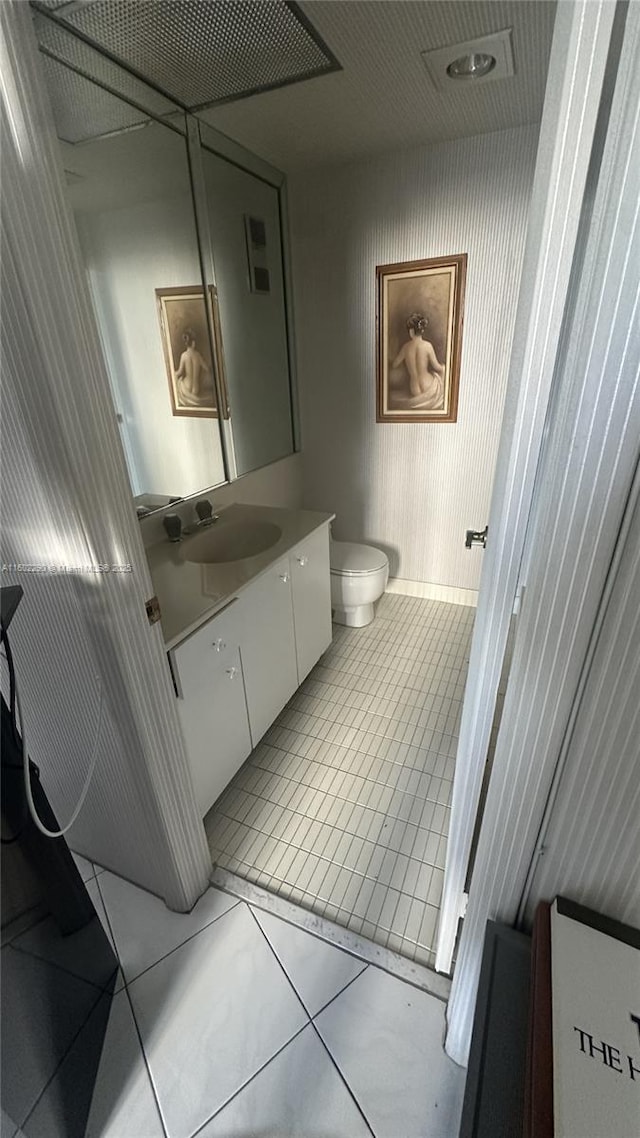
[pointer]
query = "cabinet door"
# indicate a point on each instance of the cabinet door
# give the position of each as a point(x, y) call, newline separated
point(212, 706)
point(268, 646)
point(311, 585)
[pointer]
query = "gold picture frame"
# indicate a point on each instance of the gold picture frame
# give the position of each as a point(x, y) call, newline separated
point(194, 377)
point(420, 306)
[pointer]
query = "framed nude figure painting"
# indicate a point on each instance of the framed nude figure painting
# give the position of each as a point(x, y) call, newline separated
point(419, 332)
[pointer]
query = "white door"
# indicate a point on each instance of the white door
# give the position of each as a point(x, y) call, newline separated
point(576, 70)
point(311, 585)
point(268, 646)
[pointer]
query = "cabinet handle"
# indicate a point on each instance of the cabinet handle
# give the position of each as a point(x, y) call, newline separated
point(302, 560)
point(218, 644)
point(284, 577)
point(231, 672)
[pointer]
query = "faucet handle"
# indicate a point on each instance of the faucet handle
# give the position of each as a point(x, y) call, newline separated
point(204, 510)
point(173, 526)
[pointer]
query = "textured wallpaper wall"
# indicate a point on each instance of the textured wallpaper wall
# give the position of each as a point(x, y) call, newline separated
point(412, 489)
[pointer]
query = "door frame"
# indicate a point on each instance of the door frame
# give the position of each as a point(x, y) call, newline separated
point(581, 37)
point(590, 459)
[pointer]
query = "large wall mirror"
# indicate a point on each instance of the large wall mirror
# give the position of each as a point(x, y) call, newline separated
point(131, 198)
point(199, 366)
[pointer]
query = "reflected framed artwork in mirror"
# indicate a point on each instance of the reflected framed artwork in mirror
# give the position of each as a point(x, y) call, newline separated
point(419, 333)
point(187, 352)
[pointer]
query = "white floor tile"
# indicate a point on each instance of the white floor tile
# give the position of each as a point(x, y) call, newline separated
point(98, 904)
point(211, 1014)
point(8, 1128)
point(123, 1102)
point(299, 1093)
point(85, 868)
point(317, 970)
point(144, 929)
point(386, 1038)
point(367, 749)
point(35, 996)
point(83, 953)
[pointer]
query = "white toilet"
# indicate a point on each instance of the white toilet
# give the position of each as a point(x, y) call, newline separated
point(359, 575)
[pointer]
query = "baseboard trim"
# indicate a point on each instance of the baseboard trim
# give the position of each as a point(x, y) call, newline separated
point(431, 592)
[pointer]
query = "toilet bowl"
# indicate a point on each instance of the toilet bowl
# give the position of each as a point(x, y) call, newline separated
point(359, 575)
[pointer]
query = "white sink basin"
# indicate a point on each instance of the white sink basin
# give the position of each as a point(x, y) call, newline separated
point(231, 541)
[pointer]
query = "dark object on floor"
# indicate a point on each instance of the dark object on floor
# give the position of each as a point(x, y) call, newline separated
point(495, 1088)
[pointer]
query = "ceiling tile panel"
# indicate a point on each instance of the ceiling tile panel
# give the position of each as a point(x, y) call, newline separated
point(383, 98)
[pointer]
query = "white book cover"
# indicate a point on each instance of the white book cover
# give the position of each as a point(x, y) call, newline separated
point(595, 984)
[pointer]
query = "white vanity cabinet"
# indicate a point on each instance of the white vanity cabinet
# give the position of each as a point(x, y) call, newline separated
point(207, 670)
point(234, 674)
point(268, 649)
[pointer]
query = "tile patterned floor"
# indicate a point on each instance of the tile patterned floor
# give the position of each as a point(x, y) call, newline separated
point(344, 805)
point(232, 1022)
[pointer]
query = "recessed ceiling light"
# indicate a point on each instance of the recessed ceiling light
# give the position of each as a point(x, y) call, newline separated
point(473, 66)
point(481, 60)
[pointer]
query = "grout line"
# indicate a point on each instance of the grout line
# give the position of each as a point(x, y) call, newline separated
point(374, 781)
point(342, 1077)
point(224, 852)
point(355, 803)
point(390, 718)
point(137, 1026)
point(345, 986)
point(67, 1052)
point(365, 727)
point(59, 967)
point(145, 1060)
point(127, 983)
point(420, 750)
point(250, 1080)
point(282, 967)
point(336, 829)
point(311, 1018)
point(114, 943)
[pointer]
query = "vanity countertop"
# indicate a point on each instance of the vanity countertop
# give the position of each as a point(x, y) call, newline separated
point(191, 593)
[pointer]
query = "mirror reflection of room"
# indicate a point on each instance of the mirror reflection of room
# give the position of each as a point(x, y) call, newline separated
point(199, 369)
point(131, 198)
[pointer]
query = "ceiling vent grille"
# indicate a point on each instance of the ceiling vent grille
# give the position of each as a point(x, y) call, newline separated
point(202, 52)
point(61, 45)
point(82, 110)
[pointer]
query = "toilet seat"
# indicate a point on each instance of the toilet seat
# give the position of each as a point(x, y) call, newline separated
point(349, 559)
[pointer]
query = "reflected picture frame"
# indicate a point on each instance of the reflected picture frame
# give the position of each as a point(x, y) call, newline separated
point(419, 322)
point(197, 382)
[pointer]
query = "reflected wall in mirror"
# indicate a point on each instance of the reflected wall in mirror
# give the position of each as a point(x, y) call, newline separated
point(131, 197)
point(179, 350)
point(253, 316)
